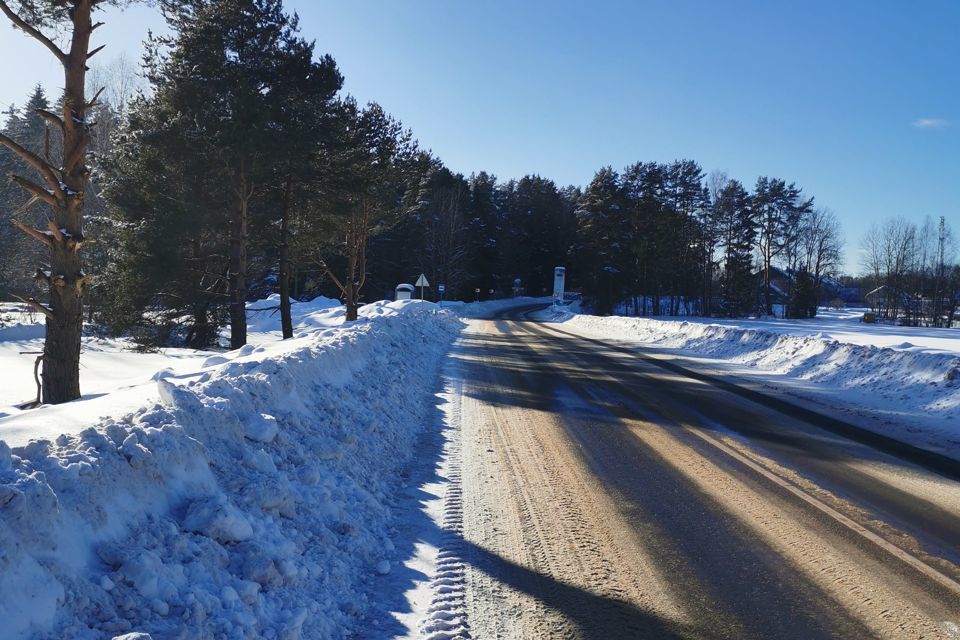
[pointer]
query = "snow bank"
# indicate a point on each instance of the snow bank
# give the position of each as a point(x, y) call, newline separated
point(251, 501)
point(263, 316)
point(22, 332)
point(116, 379)
point(919, 387)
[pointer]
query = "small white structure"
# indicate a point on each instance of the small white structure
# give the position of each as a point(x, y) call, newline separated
point(404, 292)
point(559, 280)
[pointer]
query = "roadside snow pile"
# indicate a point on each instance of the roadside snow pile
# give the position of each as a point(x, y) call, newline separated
point(250, 502)
point(906, 382)
point(263, 316)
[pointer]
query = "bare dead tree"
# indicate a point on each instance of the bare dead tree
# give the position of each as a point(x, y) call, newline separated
point(61, 187)
point(888, 252)
point(821, 242)
point(120, 79)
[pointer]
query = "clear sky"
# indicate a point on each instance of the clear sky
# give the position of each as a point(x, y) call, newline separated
point(858, 102)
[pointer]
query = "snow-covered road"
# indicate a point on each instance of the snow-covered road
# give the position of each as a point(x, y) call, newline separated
point(604, 496)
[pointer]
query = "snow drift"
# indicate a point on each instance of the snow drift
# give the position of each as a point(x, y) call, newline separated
point(252, 501)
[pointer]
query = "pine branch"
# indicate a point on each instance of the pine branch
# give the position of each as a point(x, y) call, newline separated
point(36, 304)
point(35, 161)
point(33, 233)
point(94, 52)
point(336, 281)
point(55, 231)
point(52, 118)
point(33, 32)
point(93, 101)
point(39, 193)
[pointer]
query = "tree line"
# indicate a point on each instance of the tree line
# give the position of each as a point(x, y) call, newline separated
point(239, 168)
point(910, 272)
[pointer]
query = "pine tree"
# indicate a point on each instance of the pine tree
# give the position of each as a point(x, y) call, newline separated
point(238, 91)
point(484, 231)
point(61, 185)
point(779, 209)
point(364, 194)
point(440, 212)
point(651, 231)
point(736, 225)
point(168, 275)
point(604, 235)
point(238, 73)
point(802, 302)
point(539, 226)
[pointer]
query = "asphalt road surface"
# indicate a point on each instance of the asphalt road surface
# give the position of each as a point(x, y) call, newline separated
point(609, 493)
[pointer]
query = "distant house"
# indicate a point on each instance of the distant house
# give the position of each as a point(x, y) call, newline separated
point(884, 300)
point(781, 282)
point(851, 295)
point(830, 289)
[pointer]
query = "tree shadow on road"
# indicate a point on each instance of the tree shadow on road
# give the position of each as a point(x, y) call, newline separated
point(589, 616)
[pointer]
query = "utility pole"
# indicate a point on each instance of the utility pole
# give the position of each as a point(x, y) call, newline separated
point(938, 288)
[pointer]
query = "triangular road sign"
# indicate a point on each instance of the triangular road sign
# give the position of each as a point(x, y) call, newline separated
point(422, 281)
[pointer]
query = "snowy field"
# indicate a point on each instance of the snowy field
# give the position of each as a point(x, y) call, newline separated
point(900, 381)
point(270, 492)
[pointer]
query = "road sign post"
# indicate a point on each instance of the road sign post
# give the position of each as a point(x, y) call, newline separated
point(422, 282)
point(441, 288)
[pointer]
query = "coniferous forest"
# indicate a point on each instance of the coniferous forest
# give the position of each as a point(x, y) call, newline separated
point(238, 167)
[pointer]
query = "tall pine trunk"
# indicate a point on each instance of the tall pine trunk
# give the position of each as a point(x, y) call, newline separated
point(767, 302)
point(286, 318)
point(238, 261)
point(64, 194)
point(350, 293)
point(350, 301)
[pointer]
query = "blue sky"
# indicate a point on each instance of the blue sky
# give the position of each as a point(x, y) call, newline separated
point(858, 102)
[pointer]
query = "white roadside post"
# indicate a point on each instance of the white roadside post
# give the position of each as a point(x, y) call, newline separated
point(422, 282)
point(403, 292)
point(559, 278)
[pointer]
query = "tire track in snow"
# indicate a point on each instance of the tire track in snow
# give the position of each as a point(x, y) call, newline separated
point(446, 617)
